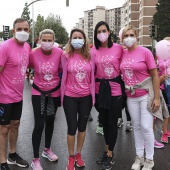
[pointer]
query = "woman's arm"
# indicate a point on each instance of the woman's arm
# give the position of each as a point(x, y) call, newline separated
point(156, 87)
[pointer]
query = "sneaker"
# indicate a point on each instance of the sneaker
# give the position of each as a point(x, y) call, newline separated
point(168, 132)
point(36, 164)
point(108, 163)
point(128, 126)
point(120, 122)
point(157, 144)
point(100, 160)
point(5, 167)
point(48, 153)
point(99, 130)
point(17, 160)
point(90, 119)
point(79, 161)
point(164, 138)
point(71, 162)
point(139, 162)
point(148, 165)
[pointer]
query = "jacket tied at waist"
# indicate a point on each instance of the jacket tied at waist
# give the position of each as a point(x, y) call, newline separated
point(49, 102)
point(162, 112)
point(104, 98)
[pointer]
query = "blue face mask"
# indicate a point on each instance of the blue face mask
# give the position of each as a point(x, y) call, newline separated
point(77, 43)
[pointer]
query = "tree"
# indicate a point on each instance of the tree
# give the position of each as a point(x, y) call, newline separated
point(26, 13)
point(39, 25)
point(162, 19)
point(54, 23)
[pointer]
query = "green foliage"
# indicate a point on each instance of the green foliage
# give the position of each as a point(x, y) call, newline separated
point(162, 19)
point(54, 23)
point(39, 25)
point(26, 13)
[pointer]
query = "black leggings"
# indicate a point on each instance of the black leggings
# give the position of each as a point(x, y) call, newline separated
point(126, 109)
point(74, 105)
point(109, 120)
point(40, 120)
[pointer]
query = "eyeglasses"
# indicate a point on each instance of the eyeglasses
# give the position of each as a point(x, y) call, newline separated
point(129, 35)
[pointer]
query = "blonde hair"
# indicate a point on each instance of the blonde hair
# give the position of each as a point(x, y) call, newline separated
point(47, 31)
point(127, 28)
point(85, 50)
point(167, 38)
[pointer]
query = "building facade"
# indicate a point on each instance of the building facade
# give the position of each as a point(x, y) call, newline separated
point(138, 13)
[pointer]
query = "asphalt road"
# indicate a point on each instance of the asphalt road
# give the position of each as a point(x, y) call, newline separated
point(93, 146)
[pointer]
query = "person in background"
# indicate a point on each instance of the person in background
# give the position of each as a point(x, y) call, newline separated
point(45, 60)
point(164, 74)
point(139, 72)
point(77, 93)
point(108, 88)
point(14, 59)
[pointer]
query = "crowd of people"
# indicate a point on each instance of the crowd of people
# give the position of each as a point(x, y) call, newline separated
point(105, 75)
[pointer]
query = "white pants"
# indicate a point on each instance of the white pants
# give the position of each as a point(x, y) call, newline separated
point(142, 121)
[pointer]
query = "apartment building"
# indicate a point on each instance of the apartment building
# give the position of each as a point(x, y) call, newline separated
point(146, 11)
point(113, 18)
point(139, 13)
point(93, 16)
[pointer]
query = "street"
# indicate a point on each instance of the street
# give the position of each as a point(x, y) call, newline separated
point(93, 146)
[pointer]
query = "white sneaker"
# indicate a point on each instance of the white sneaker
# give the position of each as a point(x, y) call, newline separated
point(148, 165)
point(139, 162)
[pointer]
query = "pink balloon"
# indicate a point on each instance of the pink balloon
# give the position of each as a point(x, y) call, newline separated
point(120, 33)
point(163, 49)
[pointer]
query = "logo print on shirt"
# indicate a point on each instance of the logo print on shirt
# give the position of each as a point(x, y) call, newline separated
point(22, 67)
point(46, 69)
point(106, 63)
point(127, 65)
point(23, 63)
point(78, 66)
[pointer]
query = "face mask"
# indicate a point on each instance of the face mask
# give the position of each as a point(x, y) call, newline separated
point(22, 36)
point(47, 46)
point(102, 37)
point(77, 43)
point(129, 42)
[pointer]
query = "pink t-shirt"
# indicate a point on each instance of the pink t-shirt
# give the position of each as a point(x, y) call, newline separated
point(46, 70)
point(107, 65)
point(78, 77)
point(14, 59)
point(164, 68)
point(135, 68)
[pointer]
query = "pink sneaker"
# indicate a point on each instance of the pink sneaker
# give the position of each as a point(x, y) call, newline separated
point(48, 153)
point(168, 132)
point(36, 165)
point(164, 138)
point(71, 163)
point(157, 144)
point(78, 160)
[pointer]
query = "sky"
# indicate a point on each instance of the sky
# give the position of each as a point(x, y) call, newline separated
point(12, 9)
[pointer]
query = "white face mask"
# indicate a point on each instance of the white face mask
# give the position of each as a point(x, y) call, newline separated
point(130, 41)
point(22, 36)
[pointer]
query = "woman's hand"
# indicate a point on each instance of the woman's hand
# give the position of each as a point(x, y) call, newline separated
point(155, 105)
point(163, 78)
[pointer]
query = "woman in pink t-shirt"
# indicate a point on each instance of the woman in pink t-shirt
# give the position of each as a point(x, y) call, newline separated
point(164, 74)
point(77, 92)
point(46, 61)
point(108, 88)
point(138, 65)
